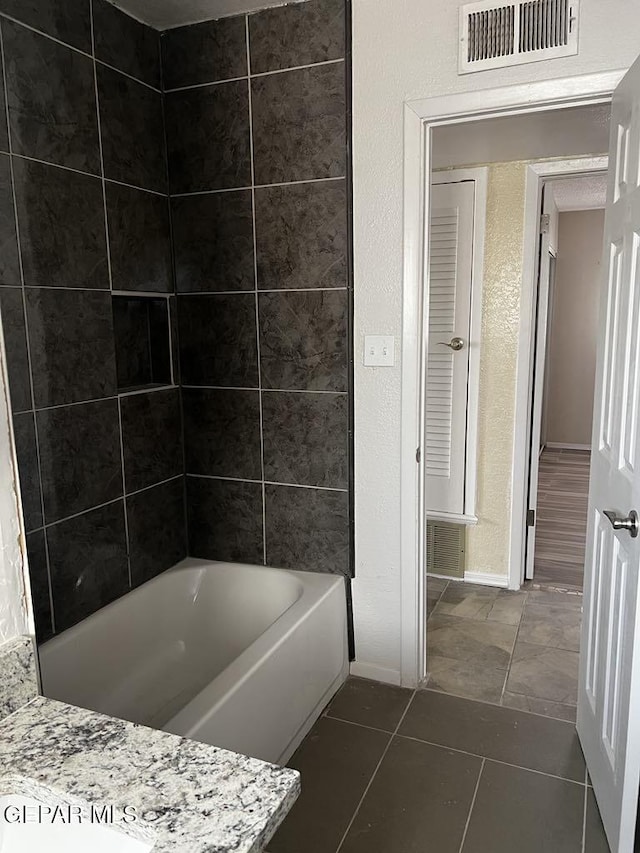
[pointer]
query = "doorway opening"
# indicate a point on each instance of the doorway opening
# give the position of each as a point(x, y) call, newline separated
point(608, 681)
point(510, 647)
point(562, 379)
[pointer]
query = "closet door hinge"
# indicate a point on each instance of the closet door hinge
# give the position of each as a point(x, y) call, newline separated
point(531, 518)
point(418, 456)
point(545, 223)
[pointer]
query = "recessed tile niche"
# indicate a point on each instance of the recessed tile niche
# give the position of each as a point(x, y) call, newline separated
point(142, 338)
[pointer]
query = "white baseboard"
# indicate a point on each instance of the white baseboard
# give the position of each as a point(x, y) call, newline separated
point(486, 579)
point(559, 445)
point(375, 672)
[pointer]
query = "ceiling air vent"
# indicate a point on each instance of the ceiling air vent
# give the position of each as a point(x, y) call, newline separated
point(496, 36)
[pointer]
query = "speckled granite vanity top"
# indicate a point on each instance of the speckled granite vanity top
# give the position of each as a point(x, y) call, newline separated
point(187, 797)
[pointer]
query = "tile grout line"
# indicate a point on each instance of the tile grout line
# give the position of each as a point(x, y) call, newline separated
point(163, 294)
point(457, 749)
point(259, 186)
point(264, 390)
point(174, 323)
point(79, 50)
point(584, 812)
point(144, 294)
point(255, 284)
point(507, 707)
point(265, 290)
point(329, 716)
point(122, 497)
point(26, 328)
point(90, 401)
point(250, 75)
point(513, 648)
point(135, 492)
point(127, 75)
point(375, 772)
point(153, 389)
point(86, 175)
point(101, 151)
point(266, 482)
point(129, 186)
point(176, 195)
point(110, 274)
point(473, 802)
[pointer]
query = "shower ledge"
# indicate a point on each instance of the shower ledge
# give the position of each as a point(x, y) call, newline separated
point(187, 797)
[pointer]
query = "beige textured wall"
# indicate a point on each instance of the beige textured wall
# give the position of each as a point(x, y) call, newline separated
point(488, 541)
point(572, 347)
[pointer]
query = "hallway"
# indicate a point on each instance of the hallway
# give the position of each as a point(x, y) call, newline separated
point(561, 524)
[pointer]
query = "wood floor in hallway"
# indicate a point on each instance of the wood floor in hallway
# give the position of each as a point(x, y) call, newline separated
point(561, 517)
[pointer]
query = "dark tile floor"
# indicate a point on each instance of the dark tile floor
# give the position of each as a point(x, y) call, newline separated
point(389, 770)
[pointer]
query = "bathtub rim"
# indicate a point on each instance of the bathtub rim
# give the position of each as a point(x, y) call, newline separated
point(315, 587)
point(188, 563)
point(230, 680)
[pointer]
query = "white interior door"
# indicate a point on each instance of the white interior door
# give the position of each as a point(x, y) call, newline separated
point(609, 686)
point(450, 272)
point(539, 371)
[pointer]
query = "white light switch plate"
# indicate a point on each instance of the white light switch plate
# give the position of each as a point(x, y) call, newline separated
point(379, 351)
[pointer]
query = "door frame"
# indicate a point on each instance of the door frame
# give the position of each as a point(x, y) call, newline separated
point(420, 117)
point(522, 461)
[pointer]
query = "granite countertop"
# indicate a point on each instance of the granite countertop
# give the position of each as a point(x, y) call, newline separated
point(188, 797)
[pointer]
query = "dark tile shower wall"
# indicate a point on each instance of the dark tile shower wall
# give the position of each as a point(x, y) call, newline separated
point(257, 113)
point(83, 167)
point(255, 117)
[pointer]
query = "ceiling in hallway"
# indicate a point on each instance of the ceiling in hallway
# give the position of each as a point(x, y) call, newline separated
point(575, 131)
point(585, 193)
point(164, 14)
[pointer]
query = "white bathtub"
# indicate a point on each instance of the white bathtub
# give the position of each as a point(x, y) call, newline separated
point(242, 657)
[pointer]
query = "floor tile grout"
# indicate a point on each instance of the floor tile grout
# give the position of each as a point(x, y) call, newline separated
point(584, 816)
point(492, 760)
point(508, 707)
point(527, 603)
point(471, 807)
point(361, 725)
point(513, 648)
point(373, 775)
point(396, 734)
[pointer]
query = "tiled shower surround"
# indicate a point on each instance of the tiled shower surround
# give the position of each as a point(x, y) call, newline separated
point(260, 238)
point(203, 169)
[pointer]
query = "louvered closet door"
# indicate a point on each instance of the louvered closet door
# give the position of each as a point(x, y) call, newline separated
point(450, 269)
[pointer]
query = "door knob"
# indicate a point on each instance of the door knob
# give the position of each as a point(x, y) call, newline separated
point(620, 522)
point(455, 344)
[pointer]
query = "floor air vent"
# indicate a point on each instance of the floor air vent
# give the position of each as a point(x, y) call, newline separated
point(496, 36)
point(445, 548)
